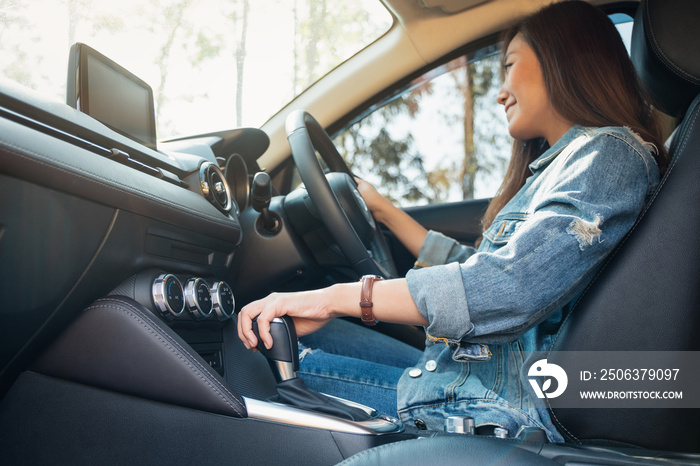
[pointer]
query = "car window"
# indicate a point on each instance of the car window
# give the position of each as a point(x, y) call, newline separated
point(442, 137)
point(213, 65)
point(623, 22)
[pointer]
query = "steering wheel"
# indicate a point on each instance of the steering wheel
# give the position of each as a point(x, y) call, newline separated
point(306, 136)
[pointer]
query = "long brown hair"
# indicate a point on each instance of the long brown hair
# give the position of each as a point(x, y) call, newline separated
point(590, 81)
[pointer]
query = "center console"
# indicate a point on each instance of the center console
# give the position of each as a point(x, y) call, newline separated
point(137, 343)
point(200, 310)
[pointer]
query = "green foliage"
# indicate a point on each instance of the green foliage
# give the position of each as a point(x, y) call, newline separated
point(369, 147)
point(379, 149)
point(110, 23)
point(207, 47)
point(325, 32)
point(14, 59)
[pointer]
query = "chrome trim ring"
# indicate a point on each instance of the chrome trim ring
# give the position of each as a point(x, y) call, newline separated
point(160, 296)
point(199, 310)
point(215, 187)
point(218, 305)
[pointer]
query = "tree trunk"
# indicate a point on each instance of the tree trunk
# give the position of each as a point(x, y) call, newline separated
point(240, 63)
point(469, 164)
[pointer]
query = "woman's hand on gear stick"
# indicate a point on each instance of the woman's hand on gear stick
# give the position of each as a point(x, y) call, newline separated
point(309, 310)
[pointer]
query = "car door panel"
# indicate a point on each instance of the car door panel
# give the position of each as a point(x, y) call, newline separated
point(458, 220)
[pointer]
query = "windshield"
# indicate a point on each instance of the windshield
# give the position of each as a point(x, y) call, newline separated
point(213, 65)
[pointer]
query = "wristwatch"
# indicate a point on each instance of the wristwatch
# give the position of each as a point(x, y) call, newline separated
point(366, 299)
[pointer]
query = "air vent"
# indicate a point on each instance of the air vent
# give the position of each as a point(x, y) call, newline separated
point(214, 187)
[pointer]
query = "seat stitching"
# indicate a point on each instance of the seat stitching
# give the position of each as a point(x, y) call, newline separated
point(677, 70)
point(172, 345)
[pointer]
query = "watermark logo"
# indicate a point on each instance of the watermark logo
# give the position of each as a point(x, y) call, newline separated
point(550, 371)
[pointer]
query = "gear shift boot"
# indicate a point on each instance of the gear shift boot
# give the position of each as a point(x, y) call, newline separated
point(294, 392)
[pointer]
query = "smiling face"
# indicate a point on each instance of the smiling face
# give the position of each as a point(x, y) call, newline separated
point(524, 96)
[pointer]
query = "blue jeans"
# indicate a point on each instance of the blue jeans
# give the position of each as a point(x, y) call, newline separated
point(349, 361)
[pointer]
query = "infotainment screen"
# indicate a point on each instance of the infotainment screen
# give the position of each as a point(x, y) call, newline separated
point(111, 94)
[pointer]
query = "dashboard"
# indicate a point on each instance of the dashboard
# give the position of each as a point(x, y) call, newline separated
point(87, 212)
point(119, 262)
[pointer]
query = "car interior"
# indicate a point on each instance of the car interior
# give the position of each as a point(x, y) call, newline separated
point(142, 252)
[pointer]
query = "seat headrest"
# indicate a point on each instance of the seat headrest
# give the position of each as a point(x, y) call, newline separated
point(666, 51)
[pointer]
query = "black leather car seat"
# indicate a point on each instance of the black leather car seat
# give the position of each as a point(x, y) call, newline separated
point(647, 296)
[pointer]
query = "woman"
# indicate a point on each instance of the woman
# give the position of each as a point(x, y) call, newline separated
point(585, 159)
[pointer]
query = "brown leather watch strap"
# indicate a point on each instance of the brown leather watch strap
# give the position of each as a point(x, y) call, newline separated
point(366, 303)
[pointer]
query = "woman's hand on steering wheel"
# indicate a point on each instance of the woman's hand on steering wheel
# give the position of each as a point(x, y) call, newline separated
point(376, 203)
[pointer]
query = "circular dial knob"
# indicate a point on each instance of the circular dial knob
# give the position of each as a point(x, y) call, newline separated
point(222, 300)
point(198, 298)
point(168, 295)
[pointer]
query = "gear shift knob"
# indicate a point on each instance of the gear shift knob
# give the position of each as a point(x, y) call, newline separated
point(283, 357)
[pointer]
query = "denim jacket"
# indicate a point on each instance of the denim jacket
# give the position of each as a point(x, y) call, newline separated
point(489, 308)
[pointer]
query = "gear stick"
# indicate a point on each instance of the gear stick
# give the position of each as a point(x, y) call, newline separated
point(283, 357)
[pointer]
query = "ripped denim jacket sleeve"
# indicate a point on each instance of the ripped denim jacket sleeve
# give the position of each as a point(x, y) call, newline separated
point(585, 193)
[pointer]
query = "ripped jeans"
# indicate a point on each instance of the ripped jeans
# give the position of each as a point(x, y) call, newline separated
point(349, 361)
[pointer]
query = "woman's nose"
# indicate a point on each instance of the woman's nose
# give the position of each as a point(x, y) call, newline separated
point(502, 96)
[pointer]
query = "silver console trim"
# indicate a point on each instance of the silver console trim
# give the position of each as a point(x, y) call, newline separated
point(283, 414)
point(370, 411)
